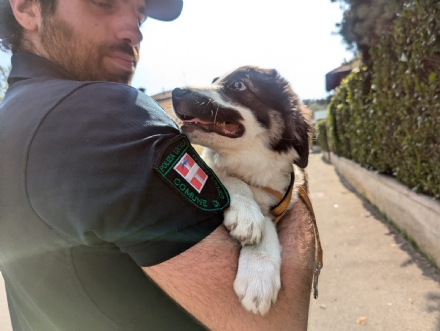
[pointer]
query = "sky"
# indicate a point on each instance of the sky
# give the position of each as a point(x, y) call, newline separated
point(211, 37)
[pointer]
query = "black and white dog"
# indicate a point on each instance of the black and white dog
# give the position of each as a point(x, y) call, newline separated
point(256, 133)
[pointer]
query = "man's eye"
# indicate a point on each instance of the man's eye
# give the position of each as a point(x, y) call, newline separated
point(141, 20)
point(103, 4)
point(238, 85)
point(142, 15)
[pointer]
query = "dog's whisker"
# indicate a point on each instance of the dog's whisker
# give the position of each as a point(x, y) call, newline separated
point(209, 101)
point(216, 113)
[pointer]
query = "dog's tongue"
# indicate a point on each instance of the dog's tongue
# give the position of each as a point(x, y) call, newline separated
point(196, 121)
point(226, 129)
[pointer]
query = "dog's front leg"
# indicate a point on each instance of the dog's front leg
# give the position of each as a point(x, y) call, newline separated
point(258, 277)
point(243, 218)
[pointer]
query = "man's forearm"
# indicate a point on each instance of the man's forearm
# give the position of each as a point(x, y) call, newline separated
point(200, 279)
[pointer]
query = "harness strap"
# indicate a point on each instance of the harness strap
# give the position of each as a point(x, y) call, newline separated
point(275, 193)
point(279, 210)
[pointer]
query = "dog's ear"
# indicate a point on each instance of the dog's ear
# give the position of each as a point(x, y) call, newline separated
point(294, 117)
point(297, 132)
point(301, 131)
point(302, 148)
point(214, 80)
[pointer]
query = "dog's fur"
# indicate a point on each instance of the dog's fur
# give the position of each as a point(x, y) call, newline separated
point(253, 127)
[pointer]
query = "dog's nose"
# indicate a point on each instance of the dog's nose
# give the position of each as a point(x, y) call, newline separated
point(178, 92)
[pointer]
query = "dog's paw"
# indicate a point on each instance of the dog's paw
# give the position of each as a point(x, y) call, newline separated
point(244, 220)
point(257, 283)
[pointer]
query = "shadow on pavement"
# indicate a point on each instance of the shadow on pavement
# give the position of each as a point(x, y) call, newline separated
point(415, 258)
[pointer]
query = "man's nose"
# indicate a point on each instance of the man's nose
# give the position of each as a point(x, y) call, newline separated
point(128, 29)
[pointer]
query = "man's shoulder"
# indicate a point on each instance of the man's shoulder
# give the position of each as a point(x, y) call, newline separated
point(63, 92)
point(108, 96)
point(107, 89)
point(72, 106)
point(111, 94)
point(105, 100)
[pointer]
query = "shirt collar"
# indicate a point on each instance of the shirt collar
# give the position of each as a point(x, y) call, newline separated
point(26, 65)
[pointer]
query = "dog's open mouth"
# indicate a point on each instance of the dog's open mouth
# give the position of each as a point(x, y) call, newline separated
point(227, 129)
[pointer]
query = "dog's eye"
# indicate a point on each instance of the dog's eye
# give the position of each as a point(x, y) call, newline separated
point(238, 85)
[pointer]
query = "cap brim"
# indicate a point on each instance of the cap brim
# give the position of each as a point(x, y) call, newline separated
point(164, 10)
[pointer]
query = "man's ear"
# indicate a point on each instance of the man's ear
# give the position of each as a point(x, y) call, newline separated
point(27, 13)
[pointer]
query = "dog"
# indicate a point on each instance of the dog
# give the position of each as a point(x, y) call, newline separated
point(256, 134)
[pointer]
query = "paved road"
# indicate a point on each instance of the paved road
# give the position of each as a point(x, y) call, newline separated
point(371, 275)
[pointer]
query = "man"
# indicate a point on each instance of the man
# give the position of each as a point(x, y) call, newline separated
point(87, 206)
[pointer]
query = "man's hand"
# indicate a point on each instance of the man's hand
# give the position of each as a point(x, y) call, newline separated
point(201, 278)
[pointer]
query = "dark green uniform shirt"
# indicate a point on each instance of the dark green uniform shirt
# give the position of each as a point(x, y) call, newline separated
point(83, 203)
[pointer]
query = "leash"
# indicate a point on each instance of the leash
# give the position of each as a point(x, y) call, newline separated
point(279, 210)
point(318, 248)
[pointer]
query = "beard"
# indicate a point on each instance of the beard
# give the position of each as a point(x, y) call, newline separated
point(81, 57)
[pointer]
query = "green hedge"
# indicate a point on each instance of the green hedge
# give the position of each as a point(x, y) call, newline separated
point(387, 117)
point(322, 138)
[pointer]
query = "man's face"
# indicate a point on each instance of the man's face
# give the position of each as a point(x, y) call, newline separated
point(95, 39)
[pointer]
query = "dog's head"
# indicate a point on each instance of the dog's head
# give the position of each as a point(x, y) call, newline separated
point(249, 105)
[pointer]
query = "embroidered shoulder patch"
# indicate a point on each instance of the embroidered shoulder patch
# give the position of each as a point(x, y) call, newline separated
point(188, 175)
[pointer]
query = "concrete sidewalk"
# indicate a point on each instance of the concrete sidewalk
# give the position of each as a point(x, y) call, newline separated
point(372, 279)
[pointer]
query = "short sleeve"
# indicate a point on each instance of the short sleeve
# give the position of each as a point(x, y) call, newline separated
point(91, 175)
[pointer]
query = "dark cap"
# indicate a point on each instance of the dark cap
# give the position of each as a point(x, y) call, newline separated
point(164, 10)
